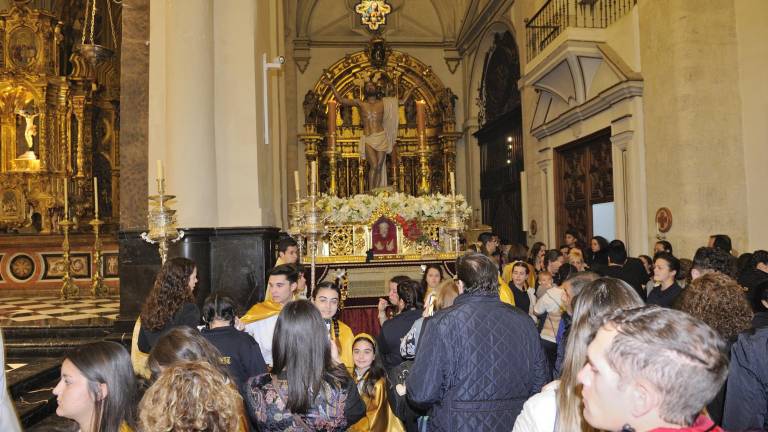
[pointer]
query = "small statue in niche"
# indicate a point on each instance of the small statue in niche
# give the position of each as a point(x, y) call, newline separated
point(448, 104)
point(310, 107)
point(346, 116)
point(31, 129)
point(410, 112)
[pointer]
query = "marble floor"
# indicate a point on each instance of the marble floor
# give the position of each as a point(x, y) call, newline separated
point(52, 311)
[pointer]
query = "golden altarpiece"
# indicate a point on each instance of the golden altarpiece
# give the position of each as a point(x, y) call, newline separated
point(418, 217)
point(53, 127)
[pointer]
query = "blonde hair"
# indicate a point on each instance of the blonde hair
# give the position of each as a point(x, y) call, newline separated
point(189, 397)
point(446, 291)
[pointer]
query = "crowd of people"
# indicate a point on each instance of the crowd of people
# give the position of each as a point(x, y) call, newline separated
point(588, 339)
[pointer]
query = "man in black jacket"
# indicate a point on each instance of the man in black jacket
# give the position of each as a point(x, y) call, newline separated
point(479, 360)
point(630, 270)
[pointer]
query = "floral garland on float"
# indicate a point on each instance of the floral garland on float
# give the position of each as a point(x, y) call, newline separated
point(420, 220)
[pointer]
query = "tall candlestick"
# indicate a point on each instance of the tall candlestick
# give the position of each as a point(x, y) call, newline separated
point(296, 182)
point(96, 197)
point(314, 177)
point(160, 170)
point(66, 198)
point(453, 184)
point(421, 115)
point(331, 117)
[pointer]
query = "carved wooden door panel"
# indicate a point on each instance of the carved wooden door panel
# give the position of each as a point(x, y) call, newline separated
point(583, 177)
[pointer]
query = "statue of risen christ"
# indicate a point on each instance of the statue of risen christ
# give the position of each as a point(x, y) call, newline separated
point(380, 122)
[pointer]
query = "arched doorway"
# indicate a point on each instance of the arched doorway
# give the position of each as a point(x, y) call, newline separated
point(501, 140)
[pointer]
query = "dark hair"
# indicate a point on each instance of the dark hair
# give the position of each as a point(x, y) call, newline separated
point(399, 278)
point(376, 371)
point(168, 294)
point(551, 255)
point(108, 363)
point(517, 252)
point(573, 233)
point(183, 344)
point(485, 237)
point(522, 264)
point(219, 307)
point(302, 353)
point(759, 257)
point(478, 273)
point(722, 242)
point(334, 321)
point(714, 259)
point(720, 302)
point(426, 270)
point(647, 262)
point(580, 280)
point(617, 252)
point(288, 270)
point(744, 263)
point(409, 291)
point(534, 252)
point(665, 246)
point(602, 242)
point(674, 263)
point(759, 294)
point(285, 243)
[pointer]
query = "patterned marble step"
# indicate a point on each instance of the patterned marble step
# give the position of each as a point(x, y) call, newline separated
point(28, 373)
point(36, 404)
point(46, 347)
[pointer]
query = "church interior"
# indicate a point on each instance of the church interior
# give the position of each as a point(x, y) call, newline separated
point(135, 131)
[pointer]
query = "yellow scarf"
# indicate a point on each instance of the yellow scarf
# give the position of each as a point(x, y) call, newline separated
point(505, 294)
point(260, 311)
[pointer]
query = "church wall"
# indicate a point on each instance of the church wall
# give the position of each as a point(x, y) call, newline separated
point(694, 150)
point(753, 64)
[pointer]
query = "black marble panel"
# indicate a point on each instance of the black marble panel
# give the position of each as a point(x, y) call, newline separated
point(234, 260)
point(240, 259)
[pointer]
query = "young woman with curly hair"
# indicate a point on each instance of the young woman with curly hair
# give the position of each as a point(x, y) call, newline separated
point(170, 303)
point(190, 397)
point(721, 303)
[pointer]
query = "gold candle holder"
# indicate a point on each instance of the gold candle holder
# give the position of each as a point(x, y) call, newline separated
point(162, 221)
point(313, 227)
point(296, 223)
point(69, 289)
point(98, 289)
point(423, 152)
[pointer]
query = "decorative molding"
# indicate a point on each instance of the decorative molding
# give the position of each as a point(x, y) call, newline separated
point(452, 58)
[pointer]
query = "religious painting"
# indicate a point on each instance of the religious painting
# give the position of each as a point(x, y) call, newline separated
point(384, 237)
point(373, 13)
point(54, 266)
point(23, 47)
point(110, 264)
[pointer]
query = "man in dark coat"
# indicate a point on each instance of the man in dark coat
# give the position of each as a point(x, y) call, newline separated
point(746, 398)
point(479, 360)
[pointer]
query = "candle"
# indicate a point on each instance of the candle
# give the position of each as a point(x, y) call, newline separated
point(420, 115)
point(314, 177)
point(331, 117)
point(453, 184)
point(296, 182)
point(66, 198)
point(160, 170)
point(96, 197)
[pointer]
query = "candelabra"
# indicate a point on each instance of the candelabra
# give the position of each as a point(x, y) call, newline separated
point(313, 227)
point(162, 221)
point(297, 222)
point(68, 288)
point(98, 289)
point(454, 226)
point(423, 152)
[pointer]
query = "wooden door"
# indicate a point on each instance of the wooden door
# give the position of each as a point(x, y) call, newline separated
point(583, 177)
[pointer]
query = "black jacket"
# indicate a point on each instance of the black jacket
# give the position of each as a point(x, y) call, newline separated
point(238, 351)
point(746, 398)
point(392, 331)
point(478, 362)
point(632, 272)
point(187, 315)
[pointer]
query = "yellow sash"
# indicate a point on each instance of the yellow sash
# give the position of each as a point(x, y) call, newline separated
point(260, 311)
point(505, 294)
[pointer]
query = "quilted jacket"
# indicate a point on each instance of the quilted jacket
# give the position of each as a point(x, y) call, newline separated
point(478, 362)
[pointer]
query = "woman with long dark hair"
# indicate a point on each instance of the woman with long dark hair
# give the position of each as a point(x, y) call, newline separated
point(598, 252)
point(536, 256)
point(409, 310)
point(371, 379)
point(306, 389)
point(430, 280)
point(97, 388)
point(170, 303)
point(327, 299)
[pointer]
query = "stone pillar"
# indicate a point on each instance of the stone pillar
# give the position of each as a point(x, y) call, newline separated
point(547, 225)
point(189, 112)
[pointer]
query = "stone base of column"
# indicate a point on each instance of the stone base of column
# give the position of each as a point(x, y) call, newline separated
point(229, 260)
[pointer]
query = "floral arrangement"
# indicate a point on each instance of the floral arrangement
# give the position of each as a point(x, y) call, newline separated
point(408, 209)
